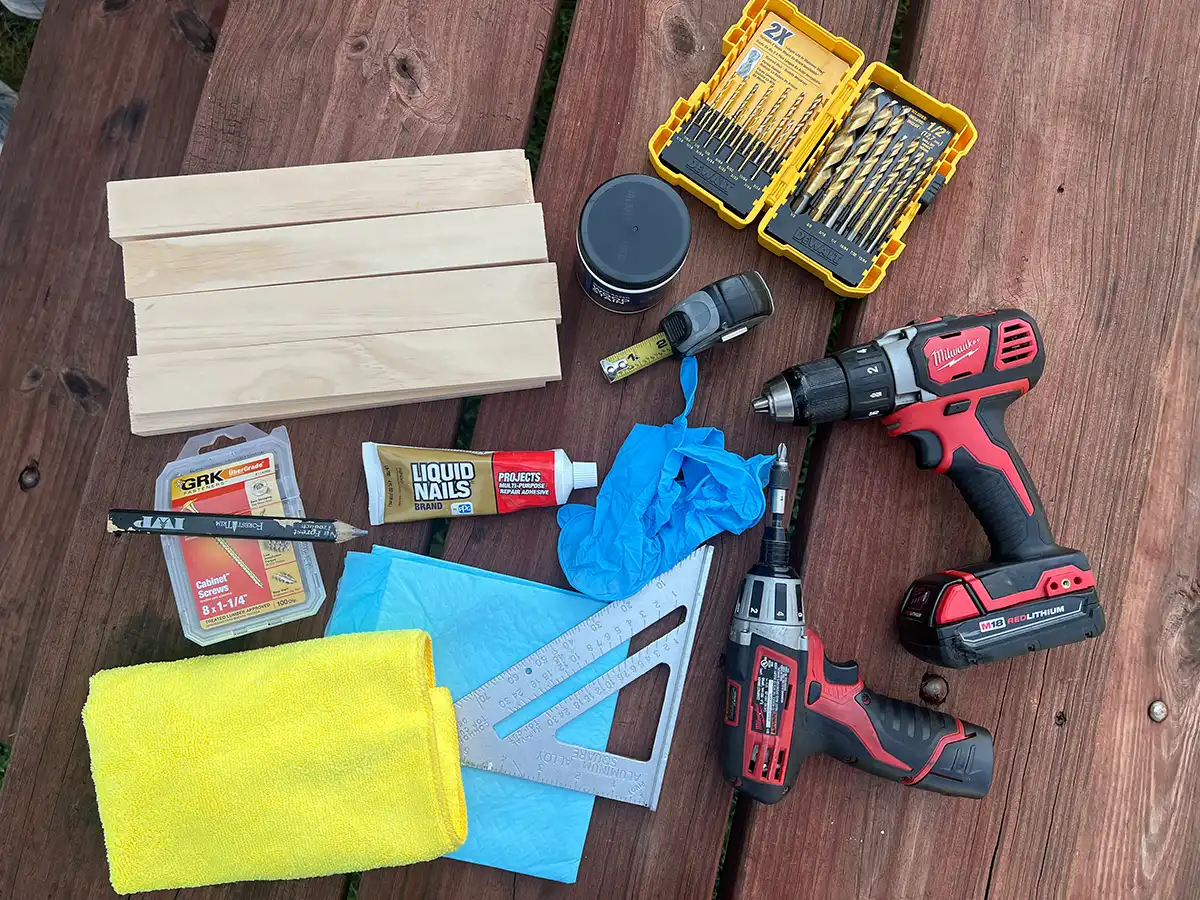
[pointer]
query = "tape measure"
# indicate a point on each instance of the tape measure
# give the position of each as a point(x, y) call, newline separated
point(720, 312)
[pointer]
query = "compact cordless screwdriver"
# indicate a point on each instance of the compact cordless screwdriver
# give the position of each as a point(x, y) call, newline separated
point(944, 385)
point(785, 700)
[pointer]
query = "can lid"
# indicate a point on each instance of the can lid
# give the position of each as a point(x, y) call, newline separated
point(584, 475)
point(634, 232)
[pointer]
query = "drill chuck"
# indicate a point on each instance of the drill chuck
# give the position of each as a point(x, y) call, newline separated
point(810, 394)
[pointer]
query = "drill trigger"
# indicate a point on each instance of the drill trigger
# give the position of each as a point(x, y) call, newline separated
point(927, 446)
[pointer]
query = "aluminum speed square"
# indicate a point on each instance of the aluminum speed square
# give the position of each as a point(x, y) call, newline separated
point(533, 751)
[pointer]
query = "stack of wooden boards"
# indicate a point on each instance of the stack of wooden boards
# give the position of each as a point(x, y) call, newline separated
point(290, 292)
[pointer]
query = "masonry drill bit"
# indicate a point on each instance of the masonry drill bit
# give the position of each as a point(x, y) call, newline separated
point(723, 134)
point(740, 141)
point(900, 198)
point(870, 170)
point(851, 164)
point(837, 149)
point(726, 115)
point(884, 189)
point(780, 128)
point(767, 120)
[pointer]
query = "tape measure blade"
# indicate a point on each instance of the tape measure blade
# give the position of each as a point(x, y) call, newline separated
point(635, 358)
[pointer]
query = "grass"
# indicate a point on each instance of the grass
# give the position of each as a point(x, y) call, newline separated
point(5, 755)
point(16, 42)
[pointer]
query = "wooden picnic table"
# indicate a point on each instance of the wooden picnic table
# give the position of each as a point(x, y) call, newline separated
point(1080, 203)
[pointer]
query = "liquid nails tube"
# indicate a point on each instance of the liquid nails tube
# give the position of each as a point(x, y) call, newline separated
point(405, 484)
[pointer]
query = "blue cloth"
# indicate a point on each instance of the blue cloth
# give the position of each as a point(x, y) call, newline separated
point(670, 489)
point(481, 623)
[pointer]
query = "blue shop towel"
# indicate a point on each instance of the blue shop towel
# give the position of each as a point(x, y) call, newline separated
point(482, 623)
point(670, 489)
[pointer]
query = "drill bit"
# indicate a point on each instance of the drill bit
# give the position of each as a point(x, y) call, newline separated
point(836, 151)
point(731, 123)
point(707, 111)
point(885, 188)
point(767, 120)
point(871, 169)
point(726, 114)
point(901, 196)
point(798, 129)
point(781, 126)
point(747, 127)
point(862, 147)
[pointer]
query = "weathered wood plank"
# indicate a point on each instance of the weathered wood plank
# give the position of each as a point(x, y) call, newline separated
point(1079, 204)
point(109, 93)
point(626, 64)
point(294, 83)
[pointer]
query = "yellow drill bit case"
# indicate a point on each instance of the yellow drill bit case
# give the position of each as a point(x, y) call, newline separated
point(785, 92)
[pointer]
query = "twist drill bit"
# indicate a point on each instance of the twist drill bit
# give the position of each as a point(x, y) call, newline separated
point(836, 151)
point(871, 170)
point(900, 198)
point(767, 120)
point(884, 190)
point(798, 129)
point(726, 115)
point(732, 123)
point(747, 127)
point(780, 129)
point(703, 118)
point(862, 147)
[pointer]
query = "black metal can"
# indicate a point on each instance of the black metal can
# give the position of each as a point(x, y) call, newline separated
point(633, 238)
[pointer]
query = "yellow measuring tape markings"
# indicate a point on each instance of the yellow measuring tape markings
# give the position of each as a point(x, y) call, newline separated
point(625, 362)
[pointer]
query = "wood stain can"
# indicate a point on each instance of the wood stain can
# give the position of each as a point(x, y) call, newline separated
point(633, 238)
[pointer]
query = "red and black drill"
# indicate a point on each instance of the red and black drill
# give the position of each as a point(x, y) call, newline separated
point(785, 700)
point(944, 385)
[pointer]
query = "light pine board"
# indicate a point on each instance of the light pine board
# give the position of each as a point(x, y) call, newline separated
point(500, 235)
point(326, 309)
point(278, 380)
point(230, 201)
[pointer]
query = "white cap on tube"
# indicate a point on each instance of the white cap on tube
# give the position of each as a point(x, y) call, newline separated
point(584, 475)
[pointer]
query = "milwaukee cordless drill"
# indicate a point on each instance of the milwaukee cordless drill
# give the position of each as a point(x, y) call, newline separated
point(785, 700)
point(944, 385)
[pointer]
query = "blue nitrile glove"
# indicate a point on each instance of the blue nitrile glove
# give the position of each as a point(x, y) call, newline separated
point(670, 489)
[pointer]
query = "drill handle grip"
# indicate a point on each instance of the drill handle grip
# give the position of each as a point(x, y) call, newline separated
point(784, 704)
point(891, 738)
point(964, 437)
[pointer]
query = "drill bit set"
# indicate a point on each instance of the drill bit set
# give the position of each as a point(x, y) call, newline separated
point(856, 189)
point(837, 166)
point(735, 141)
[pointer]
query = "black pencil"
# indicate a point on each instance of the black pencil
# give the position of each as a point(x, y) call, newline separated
point(258, 528)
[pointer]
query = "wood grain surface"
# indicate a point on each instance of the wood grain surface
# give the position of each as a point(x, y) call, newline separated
point(599, 128)
point(418, 301)
point(260, 198)
point(292, 254)
point(1079, 204)
point(109, 93)
point(295, 83)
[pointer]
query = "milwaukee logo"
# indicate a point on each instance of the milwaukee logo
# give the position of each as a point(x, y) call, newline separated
point(944, 359)
point(170, 523)
point(992, 624)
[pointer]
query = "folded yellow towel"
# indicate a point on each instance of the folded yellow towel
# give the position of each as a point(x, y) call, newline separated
point(315, 758)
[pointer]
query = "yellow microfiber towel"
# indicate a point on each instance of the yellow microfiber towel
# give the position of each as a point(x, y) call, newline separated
point(315, 758)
